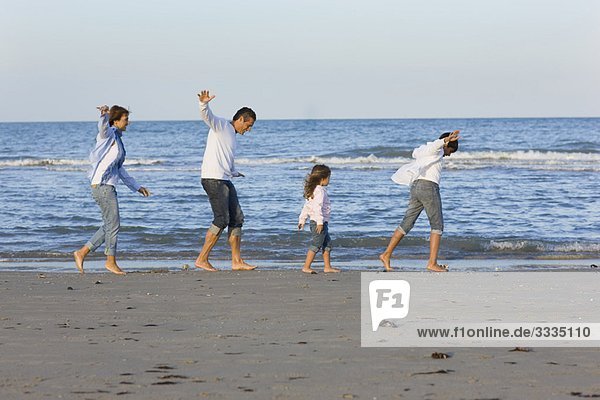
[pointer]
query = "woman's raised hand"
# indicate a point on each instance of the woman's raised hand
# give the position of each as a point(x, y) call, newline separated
point(103, 109)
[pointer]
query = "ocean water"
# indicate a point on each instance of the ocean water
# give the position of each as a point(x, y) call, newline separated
point(517, 189)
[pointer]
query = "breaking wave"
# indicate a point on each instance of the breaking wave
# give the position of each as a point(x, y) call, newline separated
point(62, 162)
point(558, 161)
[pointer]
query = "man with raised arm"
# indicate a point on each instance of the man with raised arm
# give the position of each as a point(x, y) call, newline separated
point(218, 168)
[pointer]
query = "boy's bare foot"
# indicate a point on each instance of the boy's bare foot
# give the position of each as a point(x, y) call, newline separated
point(386, 259)
point(205, 265)
point(438, 268)
point(78, 261)
point(309, 271)
point(115, 269)
point(243, 266)
point(331, 270)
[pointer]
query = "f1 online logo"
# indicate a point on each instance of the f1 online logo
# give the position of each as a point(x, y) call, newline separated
point(389, 299)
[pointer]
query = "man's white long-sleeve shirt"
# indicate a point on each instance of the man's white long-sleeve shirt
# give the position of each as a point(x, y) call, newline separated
point(221, 144)
point(427, 164)
point(317, 208)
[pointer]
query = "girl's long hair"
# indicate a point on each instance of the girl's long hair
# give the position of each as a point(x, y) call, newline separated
point(318, 173)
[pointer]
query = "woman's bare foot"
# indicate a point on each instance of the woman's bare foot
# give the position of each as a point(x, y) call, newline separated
point(242, 266)
point(205, 265)
point(438, 268)
point(331, 270)
point(114, 268)
point(78, 261)
point(386, 260)
point(309, 271)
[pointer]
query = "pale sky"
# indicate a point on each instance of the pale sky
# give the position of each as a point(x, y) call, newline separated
point(300, 59)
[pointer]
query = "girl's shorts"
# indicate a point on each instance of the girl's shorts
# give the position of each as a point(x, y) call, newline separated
point(320, 240)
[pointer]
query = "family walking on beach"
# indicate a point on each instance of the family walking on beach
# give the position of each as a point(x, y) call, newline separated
point(218, 168)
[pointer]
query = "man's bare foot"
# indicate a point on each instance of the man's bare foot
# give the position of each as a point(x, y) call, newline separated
point(386, 259)
point(78, 261)
point(438, 268)
point(309, 271)
point(205, 265)
point(243, 266)
point(115, 269)
point(331, 270)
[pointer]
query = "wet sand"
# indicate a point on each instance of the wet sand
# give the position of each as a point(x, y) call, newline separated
point(228, 335)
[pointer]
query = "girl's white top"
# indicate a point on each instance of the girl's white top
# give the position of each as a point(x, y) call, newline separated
point(317, 208)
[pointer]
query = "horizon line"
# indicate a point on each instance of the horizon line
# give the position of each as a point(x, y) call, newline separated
point(310, 119)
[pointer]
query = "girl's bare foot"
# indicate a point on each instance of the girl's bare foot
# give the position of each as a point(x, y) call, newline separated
point(438, 268)
point(386, 260)
point(331, 270)
point(205, 265)
point(242, 266)
point(114, 268)
point(309, 271)
point(78, 261)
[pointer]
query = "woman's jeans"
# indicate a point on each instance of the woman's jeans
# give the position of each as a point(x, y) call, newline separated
point(424, 194)
point(320, 240)
point(106, 197)
point(225, 206)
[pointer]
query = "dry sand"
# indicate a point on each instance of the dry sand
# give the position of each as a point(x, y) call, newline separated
point(257, 335)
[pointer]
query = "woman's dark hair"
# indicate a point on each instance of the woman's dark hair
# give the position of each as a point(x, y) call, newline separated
point(450, 145)
point(318, 173)
point(116, 113)
point(245, 112)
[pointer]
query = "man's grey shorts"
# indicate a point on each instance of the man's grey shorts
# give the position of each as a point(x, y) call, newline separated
point(424, 195)
point(225, 206)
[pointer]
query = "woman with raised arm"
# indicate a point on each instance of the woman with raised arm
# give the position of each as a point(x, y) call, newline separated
point(107, 160)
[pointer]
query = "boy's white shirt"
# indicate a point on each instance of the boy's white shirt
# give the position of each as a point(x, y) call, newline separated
point(423, 166)
point(318, 208)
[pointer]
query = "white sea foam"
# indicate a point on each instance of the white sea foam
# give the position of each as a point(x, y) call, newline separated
point(516, 245)
point(576, 247)
point(530, 155)
point(537, 160)
point(143, 161)
point(513, 245)
point(333, 160)
point(59, 162)
point(38, 162)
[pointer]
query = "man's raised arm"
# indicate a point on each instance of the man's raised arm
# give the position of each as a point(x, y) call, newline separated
point(205, 112)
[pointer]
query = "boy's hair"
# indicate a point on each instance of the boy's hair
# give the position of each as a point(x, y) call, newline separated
point(450, 145)
point(318, 173)
point(116, 113)
point(245, 112)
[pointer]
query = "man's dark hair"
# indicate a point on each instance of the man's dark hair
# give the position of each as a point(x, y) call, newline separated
point(115, 114)
point(245, 112)
point(451, 145)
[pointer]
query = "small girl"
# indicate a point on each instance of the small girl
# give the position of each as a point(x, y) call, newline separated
point(318, 208)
